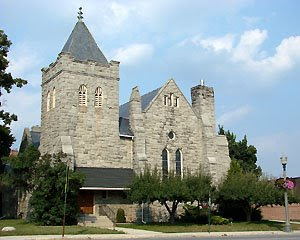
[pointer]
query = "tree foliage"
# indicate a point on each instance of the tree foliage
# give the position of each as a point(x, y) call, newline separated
point(245, 191)
point(199, 186)
point(47, 200)
point(21, 169)
point(6, 83)
point(144, 187)
point(240, 151)
point(169, 190)
point(44, 178)
point(173, 190)
point(6, 140)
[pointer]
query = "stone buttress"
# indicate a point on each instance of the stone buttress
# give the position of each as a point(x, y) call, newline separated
point(136, 123)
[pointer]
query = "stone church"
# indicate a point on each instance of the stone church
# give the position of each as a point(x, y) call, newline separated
point(108, 142)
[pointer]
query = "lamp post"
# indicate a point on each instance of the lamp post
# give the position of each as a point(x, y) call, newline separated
point(287, 227)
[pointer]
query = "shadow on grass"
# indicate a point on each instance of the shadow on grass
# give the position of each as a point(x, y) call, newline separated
point(272, 225)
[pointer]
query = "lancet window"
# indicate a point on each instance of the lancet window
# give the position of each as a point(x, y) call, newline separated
point(53, 98)
point(82, 95)
point(165, 162)
point(48, 101)
point(98, 97)
point(178, 162)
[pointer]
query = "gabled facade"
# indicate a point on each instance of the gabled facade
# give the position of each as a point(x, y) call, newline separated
point(81, 117)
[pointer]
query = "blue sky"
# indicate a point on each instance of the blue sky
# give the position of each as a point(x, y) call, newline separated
point(249, 51)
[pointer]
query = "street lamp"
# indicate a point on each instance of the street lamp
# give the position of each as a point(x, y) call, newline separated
point(287, 227)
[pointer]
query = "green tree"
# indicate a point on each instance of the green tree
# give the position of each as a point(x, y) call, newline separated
point(21, 169)
point(245, 191)
point(6, 140)
point(173, 190)
point(6, 83)
point(240, 151)
point(47, 200)
point(199, 186)
point(145, 187)
point(170, 190)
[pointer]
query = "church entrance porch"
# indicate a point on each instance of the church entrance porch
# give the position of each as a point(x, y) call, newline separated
point(86, 201)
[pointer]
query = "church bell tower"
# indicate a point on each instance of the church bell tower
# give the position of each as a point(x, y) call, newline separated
point(80, 102)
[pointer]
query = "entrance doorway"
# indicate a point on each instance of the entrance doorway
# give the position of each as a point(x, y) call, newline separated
point(86, 202)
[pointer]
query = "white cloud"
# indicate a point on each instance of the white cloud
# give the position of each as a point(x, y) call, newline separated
point(234, 115)
point(287, 55)
point(215, 43)
point(248, 46)
point(25, 63)
point(133, 53)
point(247, 53)
point(120, 12)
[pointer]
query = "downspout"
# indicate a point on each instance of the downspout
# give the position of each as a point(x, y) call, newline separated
point(143, 213)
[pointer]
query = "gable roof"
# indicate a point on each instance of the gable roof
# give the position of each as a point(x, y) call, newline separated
point(82, 45)
point(160, 90)
point(145, 100)
point(124, 128)
point(106, 177)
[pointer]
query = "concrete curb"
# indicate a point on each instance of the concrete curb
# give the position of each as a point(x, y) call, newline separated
point(148, 234)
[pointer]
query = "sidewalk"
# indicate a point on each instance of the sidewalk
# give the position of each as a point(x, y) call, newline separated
point(138, 234)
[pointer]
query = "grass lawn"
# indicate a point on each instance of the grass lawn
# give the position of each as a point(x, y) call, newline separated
point(234, 227)
point(24, 228)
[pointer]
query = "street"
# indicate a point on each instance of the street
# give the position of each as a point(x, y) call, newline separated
point(292, 236)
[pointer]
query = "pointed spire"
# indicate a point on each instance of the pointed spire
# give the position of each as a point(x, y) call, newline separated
point(82, 45)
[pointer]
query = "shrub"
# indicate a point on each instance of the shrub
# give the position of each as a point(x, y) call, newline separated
point(235, 211)
point(121, 216)
point(218, 220)
point(194, 215)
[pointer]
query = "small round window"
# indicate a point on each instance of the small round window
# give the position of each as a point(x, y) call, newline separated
point(171, 135)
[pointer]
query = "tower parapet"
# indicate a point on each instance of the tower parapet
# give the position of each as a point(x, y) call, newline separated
point(203, 105)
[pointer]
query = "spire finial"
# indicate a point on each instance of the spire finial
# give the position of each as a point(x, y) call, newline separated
point(80, 17)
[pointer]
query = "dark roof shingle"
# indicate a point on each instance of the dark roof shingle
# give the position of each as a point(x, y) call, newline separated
point(124, 128)
point(106, 177)
point(82, 45)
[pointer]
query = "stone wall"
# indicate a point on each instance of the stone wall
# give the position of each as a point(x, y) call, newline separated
point(93, 132)
point(133, 212)
point(160, 120)
point(193, 126)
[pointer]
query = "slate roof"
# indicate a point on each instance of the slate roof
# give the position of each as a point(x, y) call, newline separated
point(146, 99)
point(124, 127)
point(106, 177)
point(35, 138)
point(82, 45)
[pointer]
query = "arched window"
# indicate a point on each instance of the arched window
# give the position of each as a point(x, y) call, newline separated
point(53, 98)
point(82, 95)
point(178, 162)
point(165, 162)
point(98, 97)
point(48, 101)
